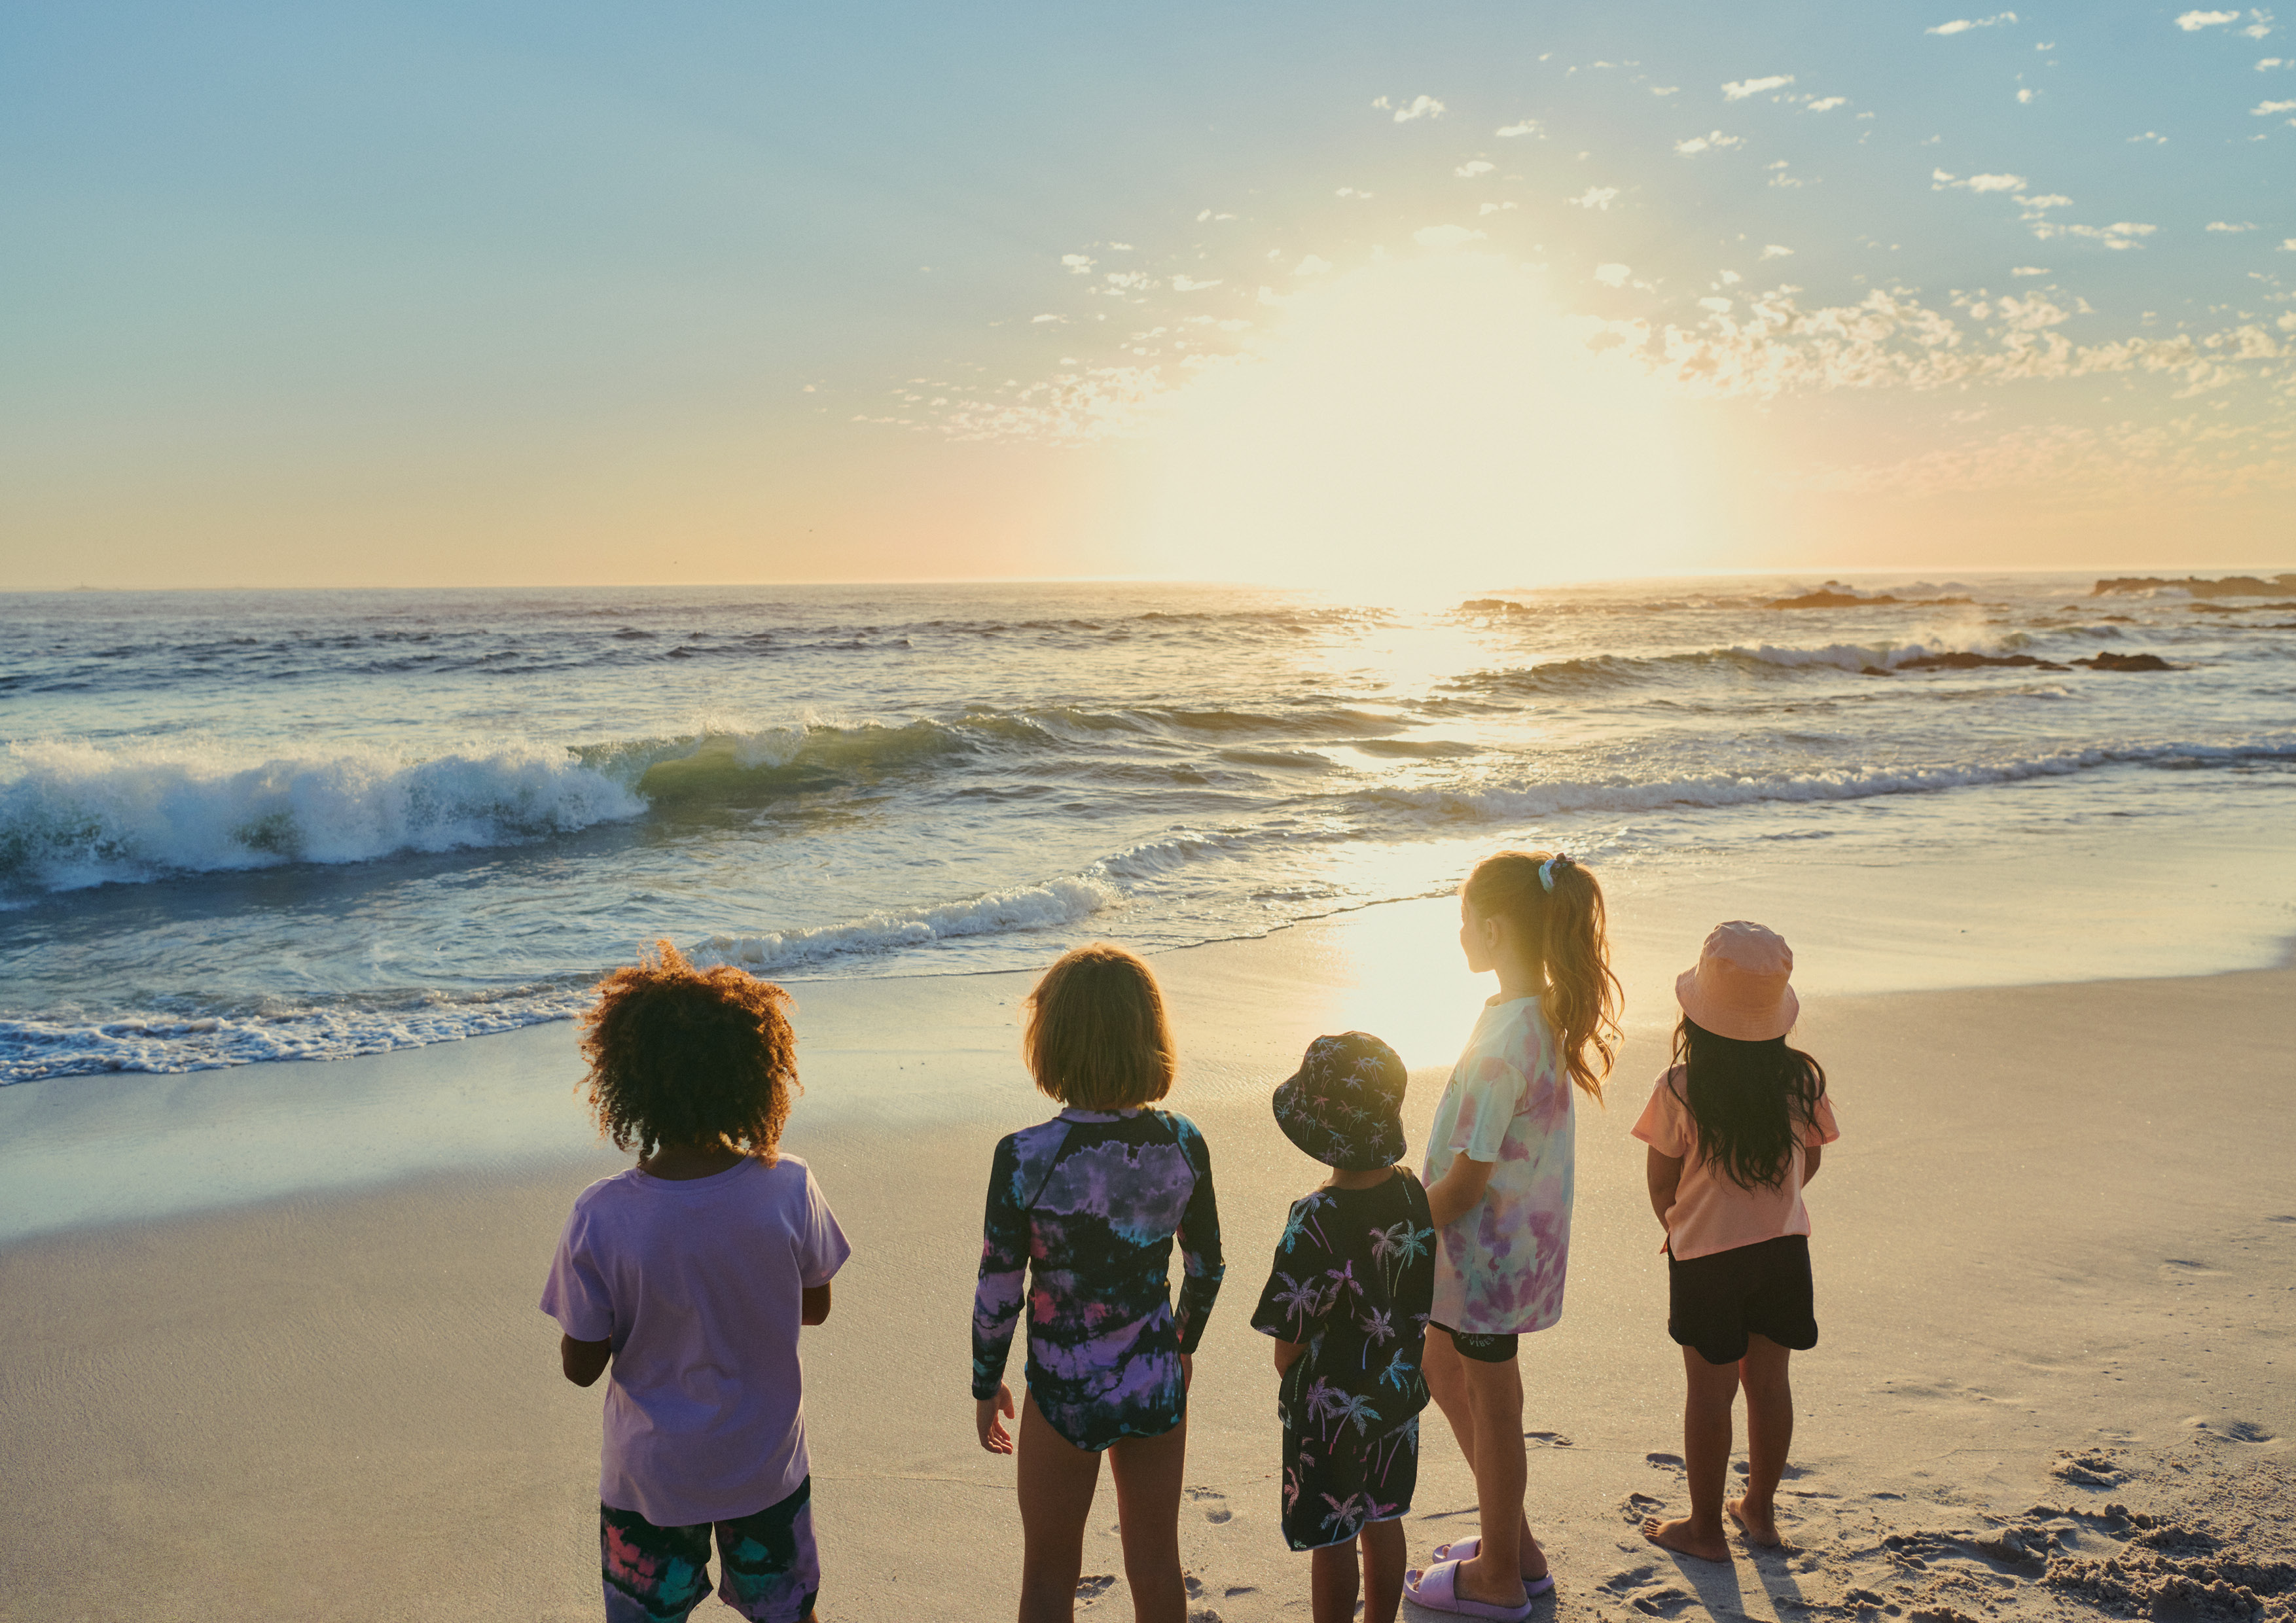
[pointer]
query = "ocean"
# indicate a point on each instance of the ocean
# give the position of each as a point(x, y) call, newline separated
point(243, 826)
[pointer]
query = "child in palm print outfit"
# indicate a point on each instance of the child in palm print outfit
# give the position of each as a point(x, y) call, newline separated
point(1348, 1301)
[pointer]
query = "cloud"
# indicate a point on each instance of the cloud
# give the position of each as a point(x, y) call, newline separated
point(1312, 266)
point(1078, 264)
point(1738, 90)
point(1961, 25)
point(1827, 103)
point(1773, 250)
point(1445, 236)
point(2192, 23)
point(1189, 284)
point(2228, 225)
point(2265, 109)
point(1473, 167)
point(1595, 197)
point(1033, 320)
point(2289, 246)
point(1130, 282)
point(1527, 127)
point(1939, 180)
point(2270, 61)
point(1418, 106)
point(1613, 275)
point(1665, 89)
point(2120, 234)
point(1700, 143)
point(2029, 270)
point(2152, 135)
point(1353, 191)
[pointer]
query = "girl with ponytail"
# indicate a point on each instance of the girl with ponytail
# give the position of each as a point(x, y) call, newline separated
point(1499, 1177)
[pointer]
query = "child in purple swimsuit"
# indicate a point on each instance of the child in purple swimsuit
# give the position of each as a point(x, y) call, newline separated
point(1090, 1202)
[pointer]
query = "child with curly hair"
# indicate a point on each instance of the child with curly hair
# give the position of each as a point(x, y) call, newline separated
point(689, 1275)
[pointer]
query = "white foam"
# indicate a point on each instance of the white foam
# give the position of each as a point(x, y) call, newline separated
point(74, 813)
point(1513, 803)
point(1046, 906)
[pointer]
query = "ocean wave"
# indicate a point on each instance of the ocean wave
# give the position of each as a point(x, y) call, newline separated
point(1598, 673)
point(1022, 907)
point(74, 813)
point(1512, 803)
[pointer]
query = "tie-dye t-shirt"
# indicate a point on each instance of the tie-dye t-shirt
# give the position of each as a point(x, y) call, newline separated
point(1091, 1202)
point(1501, 1266)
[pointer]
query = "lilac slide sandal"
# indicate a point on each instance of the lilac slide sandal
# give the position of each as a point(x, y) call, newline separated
point(1436, 1590)
point(1465, 1550)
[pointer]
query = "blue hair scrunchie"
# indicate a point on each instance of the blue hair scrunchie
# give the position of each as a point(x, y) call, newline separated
point(1547, 870)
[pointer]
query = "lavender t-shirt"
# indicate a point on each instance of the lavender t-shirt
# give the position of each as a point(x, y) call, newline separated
point(696, 1282)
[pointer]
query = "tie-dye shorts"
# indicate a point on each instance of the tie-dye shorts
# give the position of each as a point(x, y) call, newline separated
point(768, 1568)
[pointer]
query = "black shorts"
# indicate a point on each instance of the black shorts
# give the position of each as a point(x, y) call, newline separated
point(1714, 1301)
point(1482, 1349)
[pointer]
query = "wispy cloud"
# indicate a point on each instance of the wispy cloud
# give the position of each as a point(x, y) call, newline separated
point(1774, 250)
point(2230, 226)
point(1939, 180)
point(2192, 23)
point(1613, 275)
point(2151, 137)
point(1738, 90)
point(2265, 109)
point(2029, 270)
point(1713, 141)
point(1473, 167)
point(1527, 126)
point(1445, 236)
point(1078, 264)
point(1961, 25)
point(1418, 106)
point(1595, 197)
point(1826, 103)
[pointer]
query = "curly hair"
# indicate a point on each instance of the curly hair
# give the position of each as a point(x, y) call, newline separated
point(1564, 928)
point(1097, 1037)
point(680, 1055)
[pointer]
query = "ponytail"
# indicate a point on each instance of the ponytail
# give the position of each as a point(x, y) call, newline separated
point(1557, 907)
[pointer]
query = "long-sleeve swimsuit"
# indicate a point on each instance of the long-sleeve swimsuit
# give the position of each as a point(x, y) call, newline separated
point(1089, 1203)
point(1353, 1279)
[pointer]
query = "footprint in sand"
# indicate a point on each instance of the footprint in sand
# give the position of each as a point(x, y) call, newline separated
point(1093, 1586)
point(1552, 1440)
point(1634, 1507)
point(1669, 1462)
point(1663, 1603)
point(1214, 1504)
point(1631, 1578)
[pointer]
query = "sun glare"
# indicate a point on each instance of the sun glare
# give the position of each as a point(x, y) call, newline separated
point(1420, 428)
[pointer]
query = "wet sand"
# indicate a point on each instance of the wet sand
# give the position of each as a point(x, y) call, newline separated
point(2056, 1269)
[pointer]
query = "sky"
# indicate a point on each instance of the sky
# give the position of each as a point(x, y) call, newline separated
point(515, 294)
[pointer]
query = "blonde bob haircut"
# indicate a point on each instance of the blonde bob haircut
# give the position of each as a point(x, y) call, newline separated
point(1097, 1038)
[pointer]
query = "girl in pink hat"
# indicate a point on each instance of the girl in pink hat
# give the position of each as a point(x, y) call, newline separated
point(1498, 1175)
point(1736, 1127)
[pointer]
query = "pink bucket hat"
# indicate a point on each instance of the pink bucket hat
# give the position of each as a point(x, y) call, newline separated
point(1739, 988)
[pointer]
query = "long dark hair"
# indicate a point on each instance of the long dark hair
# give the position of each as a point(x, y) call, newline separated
point(1750, 1103)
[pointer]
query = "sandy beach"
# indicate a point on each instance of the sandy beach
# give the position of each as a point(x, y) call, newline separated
point(2055, 1254)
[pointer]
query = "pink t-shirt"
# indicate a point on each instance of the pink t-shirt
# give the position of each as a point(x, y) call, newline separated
point(1711, 1212)
point(697, 1283)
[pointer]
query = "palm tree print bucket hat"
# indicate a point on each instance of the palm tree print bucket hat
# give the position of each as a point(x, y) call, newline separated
point(1344, 1105)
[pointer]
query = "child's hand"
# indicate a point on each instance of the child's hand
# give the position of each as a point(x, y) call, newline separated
point(994, 1437)
point(1187, 1369)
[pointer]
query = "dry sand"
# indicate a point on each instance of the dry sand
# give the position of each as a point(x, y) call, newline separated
point(2056, 1268)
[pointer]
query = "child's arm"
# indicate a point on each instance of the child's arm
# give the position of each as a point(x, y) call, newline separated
point(1811, 1155)
point(813, 1305)
point(1663, 1173)
point(1202, 1267)
point(1459, 1190)
point(1287, 1354)
point(584, 1361)
point(996, 1300)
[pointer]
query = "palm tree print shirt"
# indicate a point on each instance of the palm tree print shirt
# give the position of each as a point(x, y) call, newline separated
point(1089, 1204)
point(1353, 1279)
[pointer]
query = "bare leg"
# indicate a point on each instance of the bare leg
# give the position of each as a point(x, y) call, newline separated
point(1769, 1436)
point(1385, 1555)
point(1332, 1585)
point(1148, 1471)
point(1706, 1457)
point(1446, 1382)
point(1057, 1480)
point(1493, 1573)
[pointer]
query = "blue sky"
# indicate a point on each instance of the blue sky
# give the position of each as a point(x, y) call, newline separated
point(742, 291)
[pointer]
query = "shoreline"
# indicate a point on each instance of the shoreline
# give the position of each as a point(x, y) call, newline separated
point(2045, 1208)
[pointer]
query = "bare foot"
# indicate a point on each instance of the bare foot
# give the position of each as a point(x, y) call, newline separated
point(1492, 1590)
point(1760, 1527)
point(1679, 1537)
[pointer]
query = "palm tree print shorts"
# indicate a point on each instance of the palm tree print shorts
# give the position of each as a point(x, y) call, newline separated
point(768, 1570)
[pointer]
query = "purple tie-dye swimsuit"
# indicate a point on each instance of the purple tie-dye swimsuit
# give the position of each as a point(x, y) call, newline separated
point(1093, 1200)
